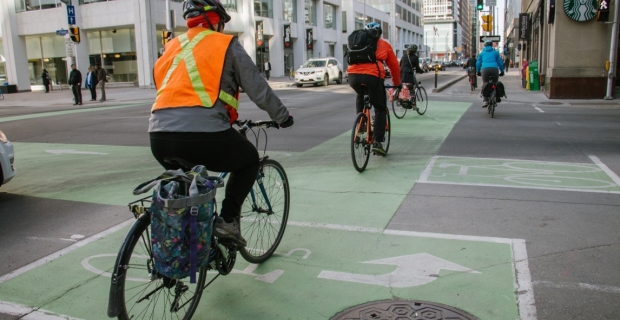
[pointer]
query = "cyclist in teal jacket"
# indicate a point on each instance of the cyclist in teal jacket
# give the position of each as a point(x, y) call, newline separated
point(489, 64)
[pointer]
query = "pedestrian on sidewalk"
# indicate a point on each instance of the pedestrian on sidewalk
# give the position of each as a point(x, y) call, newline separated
point(91, 83)
point(46, 80)
point(75, 80)
point(267, 68)
point(101, 77)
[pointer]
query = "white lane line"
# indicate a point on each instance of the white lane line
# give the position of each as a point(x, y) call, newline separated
point(518, 187)
point(64, 251)
point(51, 239)
point(558, 123)
point(614, 177)
point(514, 160)
point(448, 236)
point(523, 280)
point(577, 286)
point(333, 227)
point(428, 170)
point(539, 109)
point(28, 313)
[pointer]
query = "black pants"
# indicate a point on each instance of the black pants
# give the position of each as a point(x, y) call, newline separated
point(267, 74)
point(47, 87)
point(93, 92)
point(225, 151)
point(77, 93)
point(374, 87)
point(486, 73)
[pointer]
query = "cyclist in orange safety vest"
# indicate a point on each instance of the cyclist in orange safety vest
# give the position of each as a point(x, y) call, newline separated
point(197, 81)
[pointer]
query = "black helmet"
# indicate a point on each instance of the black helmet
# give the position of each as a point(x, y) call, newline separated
point(412, 49)
point(374, 26)
point(488, 43)
point(194, 8)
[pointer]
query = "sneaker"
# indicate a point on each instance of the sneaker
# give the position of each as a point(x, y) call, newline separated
point(485, 104)
point(228, 231)
point(377, 147)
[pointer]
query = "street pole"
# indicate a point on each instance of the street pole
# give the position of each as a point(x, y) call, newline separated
point(612, 53)
point(168, 21)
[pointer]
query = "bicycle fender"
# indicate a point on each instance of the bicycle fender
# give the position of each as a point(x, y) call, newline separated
point(116, 291)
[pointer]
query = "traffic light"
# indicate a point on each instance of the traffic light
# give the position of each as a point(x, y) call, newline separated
point(480, 5)
point(487, 23)
point(75, 34)
point(165, 36)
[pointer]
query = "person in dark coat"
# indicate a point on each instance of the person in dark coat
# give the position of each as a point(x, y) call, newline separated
point(409, 63)
point(46, 80)
point(75, 80)
point(470, 66)
point(91, 83)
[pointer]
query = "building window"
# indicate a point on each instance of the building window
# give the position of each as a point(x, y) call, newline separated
point(329, 16)
point(359, 21)
point(30, 5)
point(289, 10)
point(93, 1)
point(115, 50)
point(263, 8)
point(46, 53)
point(229, 5)
point(344, 22)
point(309, 12)
point(386, 31)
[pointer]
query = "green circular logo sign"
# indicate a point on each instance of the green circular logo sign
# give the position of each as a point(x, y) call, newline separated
point(580, 10)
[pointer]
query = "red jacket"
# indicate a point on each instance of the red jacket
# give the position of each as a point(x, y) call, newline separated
point(384, 53)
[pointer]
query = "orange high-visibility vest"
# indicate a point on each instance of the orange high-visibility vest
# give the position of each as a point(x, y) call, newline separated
point(189, 73)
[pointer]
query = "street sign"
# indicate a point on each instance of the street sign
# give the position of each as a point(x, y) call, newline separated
point(490, 3)
point(492, 38)
point(71, 15)
point(69, 47)
point(62, 32)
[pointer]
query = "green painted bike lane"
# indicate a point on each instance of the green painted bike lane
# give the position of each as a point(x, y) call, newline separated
point(329, 200)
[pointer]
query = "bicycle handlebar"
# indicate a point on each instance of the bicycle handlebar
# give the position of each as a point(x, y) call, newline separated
point(247, 124)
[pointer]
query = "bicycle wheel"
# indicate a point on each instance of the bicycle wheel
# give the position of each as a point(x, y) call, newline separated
point(422, 103)
point(492, 105)
point(265, 212)
point(388, 131)
point(471, 83)
point(360, 149)
point(399, 111)
point(145, 294)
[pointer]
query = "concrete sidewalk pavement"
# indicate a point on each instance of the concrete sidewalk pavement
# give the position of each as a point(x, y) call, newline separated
point(115, 96)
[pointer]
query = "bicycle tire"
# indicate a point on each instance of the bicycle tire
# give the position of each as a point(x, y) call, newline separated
point(388, 130)
point(492, 105)
point(422, 100)
point(399, 111)
point(471, 83)
point(136, 255)
point(258, 223)
point(360, 149)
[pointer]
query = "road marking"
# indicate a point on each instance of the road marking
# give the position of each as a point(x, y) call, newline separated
point(412, 270)
point(577, 286)
point(28, 313)
point(59, 113)
point(523, 281)
point(605, 169)
point(558, 123)
point(539, 109)
point(73, 151)
point(64, 251)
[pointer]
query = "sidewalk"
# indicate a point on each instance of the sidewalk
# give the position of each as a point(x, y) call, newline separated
point(115, 96)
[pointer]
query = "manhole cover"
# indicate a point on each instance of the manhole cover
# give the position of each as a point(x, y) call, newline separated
point(551, 103)
point(403, 309)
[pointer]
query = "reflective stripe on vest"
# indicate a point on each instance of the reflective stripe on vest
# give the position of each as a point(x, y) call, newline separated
point(186, 55)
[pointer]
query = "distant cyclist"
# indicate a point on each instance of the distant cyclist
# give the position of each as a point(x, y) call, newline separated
point(369, 78)
point(197, 80)
point(409, 63)
point(470, 66)
point(489, 64)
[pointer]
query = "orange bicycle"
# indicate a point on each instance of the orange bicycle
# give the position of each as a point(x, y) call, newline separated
point(362, 137)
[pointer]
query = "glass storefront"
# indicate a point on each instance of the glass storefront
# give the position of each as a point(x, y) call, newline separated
point(289, 10)
point(48, 53)
point(115, 50)
point(2, 64)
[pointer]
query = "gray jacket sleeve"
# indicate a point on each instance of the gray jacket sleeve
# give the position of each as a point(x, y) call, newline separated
point(247, 75)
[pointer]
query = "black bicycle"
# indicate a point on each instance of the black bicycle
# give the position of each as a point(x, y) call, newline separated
point(492, 102)
point(418, 100)
point(138, 291)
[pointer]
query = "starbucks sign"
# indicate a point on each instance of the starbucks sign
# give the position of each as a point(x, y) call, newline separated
point(580, 10)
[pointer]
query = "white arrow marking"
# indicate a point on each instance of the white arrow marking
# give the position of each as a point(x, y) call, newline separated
point(270, 277)
point(412, 270)
point(73, 151)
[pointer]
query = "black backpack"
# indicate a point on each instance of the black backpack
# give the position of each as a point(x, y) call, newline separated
point(362, 45)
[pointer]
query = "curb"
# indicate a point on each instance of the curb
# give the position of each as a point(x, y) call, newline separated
point(451, 82)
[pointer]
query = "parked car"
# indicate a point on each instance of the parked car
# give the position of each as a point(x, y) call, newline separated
point(423, 65)
point(441, 64)
point(7, 156)
point(319, 71)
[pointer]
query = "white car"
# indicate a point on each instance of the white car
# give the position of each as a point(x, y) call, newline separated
point(7, 156)
point(319, 71)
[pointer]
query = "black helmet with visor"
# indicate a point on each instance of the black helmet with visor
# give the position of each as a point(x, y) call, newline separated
point(194, 8)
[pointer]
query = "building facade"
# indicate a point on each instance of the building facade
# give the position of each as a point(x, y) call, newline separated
point(445, 26)
point(511, 29)
point(125, 36)
point(569, 45)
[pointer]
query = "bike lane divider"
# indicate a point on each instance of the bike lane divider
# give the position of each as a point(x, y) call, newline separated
point(316, 273)
point(565, 176)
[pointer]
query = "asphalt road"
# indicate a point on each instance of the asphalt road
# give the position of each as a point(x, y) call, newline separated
point(572, 237)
